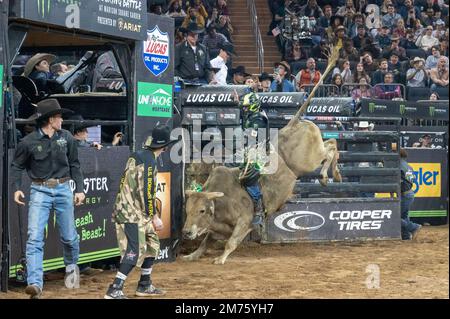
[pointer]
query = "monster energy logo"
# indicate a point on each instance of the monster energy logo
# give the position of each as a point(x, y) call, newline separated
point(371, 107)
point(432, 111)
point(44, 6)
point(402, 109)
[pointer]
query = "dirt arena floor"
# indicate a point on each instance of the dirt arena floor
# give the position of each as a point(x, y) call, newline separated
point(333, 270)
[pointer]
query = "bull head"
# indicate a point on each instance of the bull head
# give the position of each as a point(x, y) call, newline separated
point(199, 213)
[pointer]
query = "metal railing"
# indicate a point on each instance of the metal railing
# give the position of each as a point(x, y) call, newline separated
point(257, 32)
point(389, 91)
point(324, 90)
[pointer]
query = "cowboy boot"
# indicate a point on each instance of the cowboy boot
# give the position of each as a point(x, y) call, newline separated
point(258, 219)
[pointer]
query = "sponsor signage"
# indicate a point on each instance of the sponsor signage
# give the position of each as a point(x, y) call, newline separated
point(163, 194)
point(278, 99)
point(211, 116)
point(335, 219)
point(427, 179)
point(156, 50)
point(119, 18)
point(410, 139)
point(154, 99)
point(326, 106)
point(407, 109)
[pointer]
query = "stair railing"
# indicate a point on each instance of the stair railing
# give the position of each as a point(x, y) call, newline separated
point(257, 33)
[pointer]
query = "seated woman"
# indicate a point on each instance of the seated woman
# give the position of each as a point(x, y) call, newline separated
point(363, 91)
point(388, 91)
point(295, 53)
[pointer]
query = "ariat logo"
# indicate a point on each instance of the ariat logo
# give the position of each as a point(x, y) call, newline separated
point(45, 6)
point(402, 109)
point(432, 110)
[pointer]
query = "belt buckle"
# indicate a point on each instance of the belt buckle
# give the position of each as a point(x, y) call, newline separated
point(51, 183)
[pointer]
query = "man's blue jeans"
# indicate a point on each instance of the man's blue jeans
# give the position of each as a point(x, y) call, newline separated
point(42, 200)
point(408, 226)
point(254, 191)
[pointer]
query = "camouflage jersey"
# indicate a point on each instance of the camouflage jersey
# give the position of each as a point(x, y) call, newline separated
point(135, 200)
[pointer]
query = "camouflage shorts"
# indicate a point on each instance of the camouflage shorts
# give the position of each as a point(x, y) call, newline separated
point(136, 242)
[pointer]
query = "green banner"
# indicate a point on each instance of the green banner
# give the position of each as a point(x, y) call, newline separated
point(428, 213)
point(1, 85)
point(154, 99)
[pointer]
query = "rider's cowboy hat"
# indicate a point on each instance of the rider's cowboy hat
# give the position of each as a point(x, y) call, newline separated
point(48, 108)
point(36, 59)
point(160, 138)
point(192, 28)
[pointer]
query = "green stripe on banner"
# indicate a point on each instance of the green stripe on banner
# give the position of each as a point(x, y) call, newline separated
point(428, 213)
point(56, 263)
point(1, 86)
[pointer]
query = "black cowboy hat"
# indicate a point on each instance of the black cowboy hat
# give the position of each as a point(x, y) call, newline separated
point(48, 108)
point(228, 48)
point(240, 69)
point(79, 126)
point(160, 137)
point(341, 19)
point(265, 76)
point(192, 28)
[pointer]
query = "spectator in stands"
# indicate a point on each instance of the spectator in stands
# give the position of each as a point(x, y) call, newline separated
point(409, 42)
point(311, 9)
point(344, 71)
point(390, 19)
point(426, 41)
point(429, 4)
point(394, 66)
point(348, 8)
point(225, 27)
point(156, 9)
point(198, 5)
point(372, 47)
point(295, 53)
point(400, 29)
point(379, 75)
point(335, 22)
point(37, 69)
point(360, 37)
point(416, 75)
point(281, 82)
point(428, 18)
point(432, 59)
point(222, 8)
point(192, 58)
point(409, 12)
point(213, 40)
point(361, 91)
point(434, 96)
point(348, 51)
point(220, 62)
point(384, 7)
point(418, 29)
point(309, 75)
point(325, 20)
point(395, 48)
point(213, 18)
point(387, 90)
point(252, 82)
point(320, 51)
point(367, 60)
point(239, 75)
point(176, 10)
point(409, 229)
point(193, 17)
point(339, 35)
point(360, 73)
point(80, 133)
point(358, 20)
point(440, 29)
point(265, 81)
point(336, 80)
point(439, 75)
point(424, 142)
point(383, 37)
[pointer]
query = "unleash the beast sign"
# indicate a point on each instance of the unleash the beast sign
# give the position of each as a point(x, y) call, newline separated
point(156, 51)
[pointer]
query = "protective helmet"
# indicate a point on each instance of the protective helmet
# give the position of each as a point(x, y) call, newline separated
point(251, 103)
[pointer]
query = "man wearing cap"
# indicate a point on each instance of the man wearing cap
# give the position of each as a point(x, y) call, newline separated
point(136, 213)
point(213, 40)
point(416, 75)
point(265, 81)
point(220, 62)
point(424, 142)
point(38, 69)
point(192, 58)
point(281, 81)
point(50, 157)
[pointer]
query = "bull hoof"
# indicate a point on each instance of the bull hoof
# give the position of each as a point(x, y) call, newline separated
point(337, 178)
point(323, 181)
point(219, 261)
point(190, 257)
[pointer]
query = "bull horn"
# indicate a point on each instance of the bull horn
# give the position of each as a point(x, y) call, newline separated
point(213, 195)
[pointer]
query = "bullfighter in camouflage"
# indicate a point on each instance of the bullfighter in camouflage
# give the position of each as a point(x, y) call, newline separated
point(136, 216)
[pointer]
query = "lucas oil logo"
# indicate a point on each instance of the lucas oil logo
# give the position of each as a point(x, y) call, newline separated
point(427, 179)
point(156, 51)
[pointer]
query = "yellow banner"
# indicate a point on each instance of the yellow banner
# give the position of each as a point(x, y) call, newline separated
point(427, 179)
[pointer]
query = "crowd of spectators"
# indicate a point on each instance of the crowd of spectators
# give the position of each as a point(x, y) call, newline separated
point(388, 45)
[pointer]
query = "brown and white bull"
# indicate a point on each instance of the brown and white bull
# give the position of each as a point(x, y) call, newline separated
point(224, 210)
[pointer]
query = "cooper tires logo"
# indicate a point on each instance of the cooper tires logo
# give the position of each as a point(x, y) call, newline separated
point(299, 220)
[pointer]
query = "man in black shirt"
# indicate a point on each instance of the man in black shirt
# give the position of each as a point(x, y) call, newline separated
point(50, 157)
